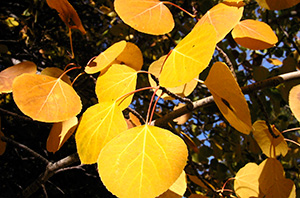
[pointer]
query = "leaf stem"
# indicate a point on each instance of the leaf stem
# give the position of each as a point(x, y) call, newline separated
point(150, 105)
point(77, 78)
point(71, 43)
point(292, 141)
point(153, 109)
point(79, 67)
point(289, 130)
point(170, 3)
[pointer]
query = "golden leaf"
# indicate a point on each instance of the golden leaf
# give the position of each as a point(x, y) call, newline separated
point(56, 73)
point(294, 98)
point(277, 4)
point(178, 189)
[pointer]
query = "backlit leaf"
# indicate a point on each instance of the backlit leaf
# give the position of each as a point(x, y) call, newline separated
point(131, 56)
point(8, 75)
point(147, 16)
point(223, 16)
point(274, 61)
point(267, 142)
point(178, 189)
point(99, 124)
point(67, 13)
point(117, 81)
point(45, 98)
point(56, 73)
point(229, 97)
point(246, 181)
point(183, 90)
point(277, 4)
point(294, 98)
point(254, 35)
point(142, 162)
point(60, 133)
point(190, 57)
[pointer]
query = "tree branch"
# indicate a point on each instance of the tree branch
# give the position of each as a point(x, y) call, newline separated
point(271, 82)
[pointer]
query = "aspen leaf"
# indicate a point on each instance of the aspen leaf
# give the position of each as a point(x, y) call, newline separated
point(45, 99)
point(142, 162)
point(131, 56)
point(229, 97)
point(274, 61)
point(67, 13)
point(246, 181)
point(56, 73)
point(177, 189)
point(147, 16)
point(255, 35)
point(117, 81)
point(272, 182)
point(8, 75)
point(190, 57)
point(133, 121)
point(60, 133)
point(183, 90)
point(223, 16)
point(294, 98)
point(99, 124)
point(277, 4)
point(267, 142)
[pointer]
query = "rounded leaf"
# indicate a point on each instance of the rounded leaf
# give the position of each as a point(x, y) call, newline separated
point(56, 73)
point(142, 162)
point(294, 99)
point(277, 4)
point(45, 99)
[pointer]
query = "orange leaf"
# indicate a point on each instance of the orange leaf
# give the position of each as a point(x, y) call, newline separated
point(142, 162)
point(45, 98)
point(178, 189)
point(277, 4)
point(254, 35)
point(99, 124)
point(116, 82)
point(67, 13)
point(190, 57)
point(56, 73)
point(183, 90)
point(147, 16)
point(8, 75)
point(223, 16)
point(60, 133)
point(270, 146)
point(133, 121)
point(229, 97)
point(294, 98)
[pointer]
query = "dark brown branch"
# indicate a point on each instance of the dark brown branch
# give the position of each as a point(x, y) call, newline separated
point(3, 111)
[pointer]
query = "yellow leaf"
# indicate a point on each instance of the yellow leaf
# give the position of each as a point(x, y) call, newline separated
point(294, 98)
point(67, 13)
point(246, 181)
point(60, 133)
point(254, 35)
point(8, 75)
point(229, 97)
point(270, 146)
point(272, 182)
point(183, 90)
point(99, 124)
point(147, 16)
point(223, 16)
point(131, 56)
point(45, 98)
point(117, 81)
point(178, 189)
point(274, 61)
point(277, 4)
point(11, 22)
point(190, 57)
point(142, 162)
point(2, 143)
point(56, 73)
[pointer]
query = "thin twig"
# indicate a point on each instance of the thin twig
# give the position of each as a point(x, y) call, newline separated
point(227, 61)
point(15, 115)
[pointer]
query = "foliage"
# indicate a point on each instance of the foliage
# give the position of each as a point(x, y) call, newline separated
point(114, 73)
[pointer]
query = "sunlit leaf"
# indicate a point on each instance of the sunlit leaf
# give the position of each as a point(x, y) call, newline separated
point(229, 97)
point(254, 35)
point(294, 98)
point(184, 118)
point(183, 90)
point(178, 189)
point(67, 13)
point(277, 4)
point(246, 181)
point(267, 142)
point(274, 61)
point(223, 16)
point(147, 16)
point(106, 58)
point(60, 133)
point(117, 81)
point(99, 124)
point(131, 56)
point(142, 162)
point(272, 182)
point(56, 73)
point(45, 98)
point(190, 57)
point(8, 75)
